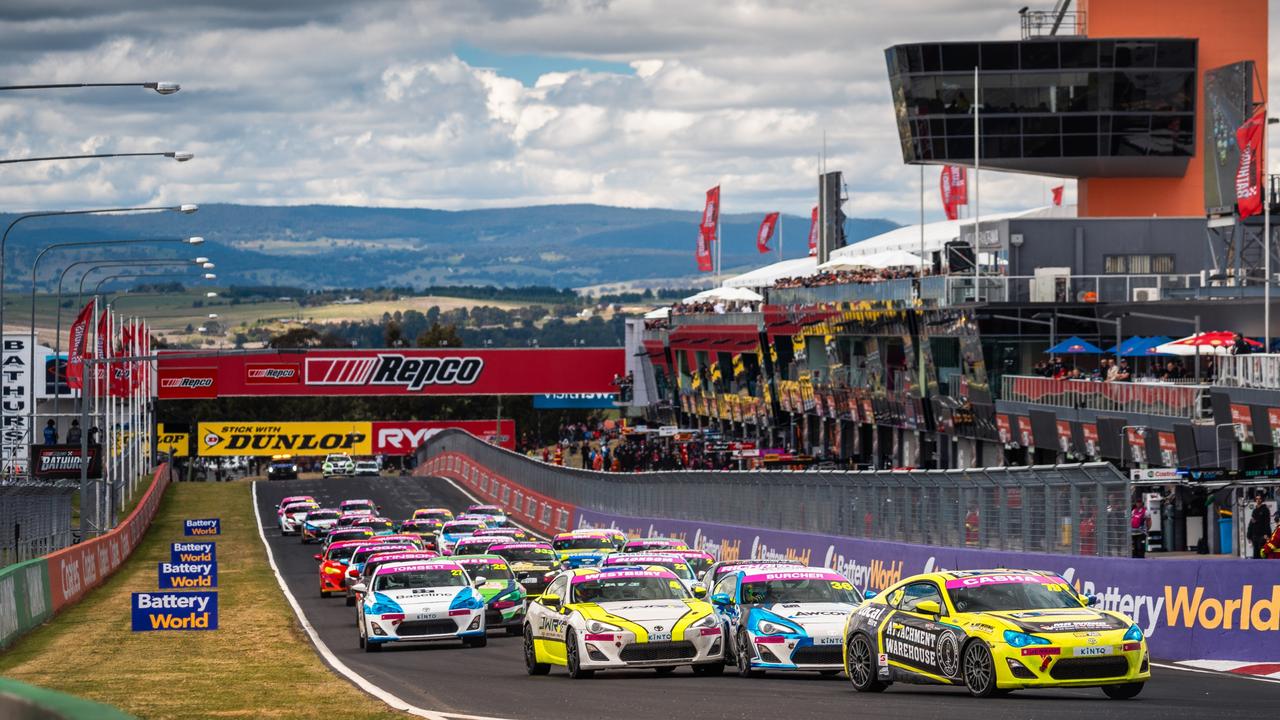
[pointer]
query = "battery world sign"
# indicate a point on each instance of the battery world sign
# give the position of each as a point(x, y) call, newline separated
point(393, 372)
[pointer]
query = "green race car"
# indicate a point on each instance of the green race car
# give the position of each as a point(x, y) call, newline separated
point(504, 597)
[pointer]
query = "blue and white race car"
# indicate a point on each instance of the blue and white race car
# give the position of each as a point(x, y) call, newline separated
point(420, 601)
point(453, 531)
point(496, 516)
point(780, 618)
point(317, 523)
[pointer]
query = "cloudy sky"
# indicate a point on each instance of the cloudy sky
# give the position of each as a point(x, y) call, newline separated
point(477, 103)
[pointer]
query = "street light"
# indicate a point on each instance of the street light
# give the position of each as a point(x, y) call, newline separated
point(164, 88)
point(179, 156)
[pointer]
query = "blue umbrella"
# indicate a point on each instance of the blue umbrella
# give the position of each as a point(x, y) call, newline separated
point(1149, 349)
point(1074, 346)
point(1129, 347)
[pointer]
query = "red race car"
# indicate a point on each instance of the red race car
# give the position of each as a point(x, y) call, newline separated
point(333, 565)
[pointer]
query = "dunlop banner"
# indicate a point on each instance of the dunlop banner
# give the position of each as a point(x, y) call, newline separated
point(175, 444)
point(293, 438)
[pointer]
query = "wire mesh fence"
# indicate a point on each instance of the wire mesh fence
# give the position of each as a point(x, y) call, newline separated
point(1075, 509)
point(34, 520)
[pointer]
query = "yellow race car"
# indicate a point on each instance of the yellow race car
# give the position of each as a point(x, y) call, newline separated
point(993, 631)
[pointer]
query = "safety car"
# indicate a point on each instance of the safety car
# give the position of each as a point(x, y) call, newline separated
point(366, 468)
point(620, 617)
point(993, 631)
point(504, 597)
point(420, 601)
point(282, 468)
point(783, 618)
point(530, 561)
point(291, 516)
point(316, 524)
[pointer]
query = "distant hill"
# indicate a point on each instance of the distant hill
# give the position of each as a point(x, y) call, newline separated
point(333, 246)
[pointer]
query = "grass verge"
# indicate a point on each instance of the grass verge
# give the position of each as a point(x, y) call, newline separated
point(259, 664)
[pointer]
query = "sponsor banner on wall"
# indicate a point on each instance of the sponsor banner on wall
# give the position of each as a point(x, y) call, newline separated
point(1207, 609)
point(402, 437)
point(573, 401)
point(176, 444)
point(293, 438)
point(394, 372)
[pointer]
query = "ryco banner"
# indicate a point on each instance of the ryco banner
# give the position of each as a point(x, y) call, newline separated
point(393, 372)
point(402, 437)
point(293, 438)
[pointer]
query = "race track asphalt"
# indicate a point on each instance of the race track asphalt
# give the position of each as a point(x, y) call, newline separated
point(492, 682)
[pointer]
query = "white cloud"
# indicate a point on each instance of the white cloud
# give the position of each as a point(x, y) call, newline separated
point(366, 103)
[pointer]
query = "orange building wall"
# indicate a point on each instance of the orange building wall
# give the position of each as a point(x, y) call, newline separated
point(1229, 31)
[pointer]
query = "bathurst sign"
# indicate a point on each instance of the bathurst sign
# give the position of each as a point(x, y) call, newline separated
point(393, 372)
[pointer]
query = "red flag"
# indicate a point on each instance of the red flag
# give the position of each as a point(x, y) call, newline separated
point(766, 232)
point(1057, 194)
point(954, 186)
point(707, 230)
point(121, 372)
point(102, 351)
point(813, 232)
point(77, 345)
point(1249, 173)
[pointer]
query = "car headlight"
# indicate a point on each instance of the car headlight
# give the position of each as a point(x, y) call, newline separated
point(333, 571)
point(769, 628)
point(595, 626)
point(706, 622)
point(382, 608)
point(1134, 634)
point(1021, 639)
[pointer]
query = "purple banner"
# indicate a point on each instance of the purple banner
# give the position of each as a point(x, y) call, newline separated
point(1192, 609)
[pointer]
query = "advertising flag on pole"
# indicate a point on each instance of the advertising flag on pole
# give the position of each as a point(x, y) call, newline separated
point(707, 230)
point(813, 232)
point(102, 351)
point(77, 346)
point(1057, 194)
point(766, 232)
point(1249, 173)
point(954, 187)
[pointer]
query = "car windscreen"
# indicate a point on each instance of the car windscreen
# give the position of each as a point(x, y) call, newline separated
point(410, 579)
point(675, 565)
point(602, 588)
point(812, 590)
point(474, 546)
point(376, 525)
point(529, 555)
point(341, 553)
point(461, 528)
point(363, 554)
point(322, 515)
point(419, 526)
point(490, 571)
point(1012, 596)
point(699, 565)
point(582, 543)
point(299, 507)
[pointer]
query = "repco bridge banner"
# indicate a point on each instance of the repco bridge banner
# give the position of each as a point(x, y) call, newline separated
point(452, 371)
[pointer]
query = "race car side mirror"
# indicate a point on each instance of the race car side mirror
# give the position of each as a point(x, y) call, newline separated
point(868, 594)
point(317, 556)
point(929, 607)
point(360, 587)
point(1090, 600)
point(479, 580)
point(699, 590)
point(551, 601)
point(721, 599)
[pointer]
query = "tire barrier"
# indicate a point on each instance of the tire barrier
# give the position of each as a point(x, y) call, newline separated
point(1190, 609)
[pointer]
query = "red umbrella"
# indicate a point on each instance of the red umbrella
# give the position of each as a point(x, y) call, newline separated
point(1217, 342)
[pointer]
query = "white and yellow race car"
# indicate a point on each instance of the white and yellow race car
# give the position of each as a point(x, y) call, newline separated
point(592, 619)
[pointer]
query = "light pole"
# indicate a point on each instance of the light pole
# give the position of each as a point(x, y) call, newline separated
point(31, 344)
point(98, 289)
point(179, 156)
point(164, 88)
point(1266, 235)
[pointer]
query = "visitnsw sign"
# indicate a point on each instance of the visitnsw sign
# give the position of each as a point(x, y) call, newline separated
point(525, 371)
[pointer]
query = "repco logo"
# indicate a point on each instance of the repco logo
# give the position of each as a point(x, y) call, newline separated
point(271, 373)
point(416, 373)
point(186, 382)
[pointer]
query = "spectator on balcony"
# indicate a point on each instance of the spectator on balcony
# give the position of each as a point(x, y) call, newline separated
point(1042, 369)
point(1240, 346)
point(1173, 371)
point(1123, 374)
point(1112, 372)
point(1057, 370)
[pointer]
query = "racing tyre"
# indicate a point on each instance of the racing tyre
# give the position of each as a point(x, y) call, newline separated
point(573, 661)
point(861, 666)
point(351, 601)
point(360, 634)
point(531, 663)
point(665, 670)
point(1126, 691)
point(743, 655)
point(979, 670)
point(475, 642)
point(324, 593)
point(713, 668)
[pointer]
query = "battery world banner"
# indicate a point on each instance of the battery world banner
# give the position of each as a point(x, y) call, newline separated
point(524, 371)
point(175, 611)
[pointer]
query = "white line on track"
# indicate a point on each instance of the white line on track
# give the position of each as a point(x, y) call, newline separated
point(338, 666)
point(1219, 673)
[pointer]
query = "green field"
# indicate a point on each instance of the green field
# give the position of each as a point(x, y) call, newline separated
point(258, 664)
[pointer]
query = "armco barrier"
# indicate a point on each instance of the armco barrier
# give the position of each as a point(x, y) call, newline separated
point(24, 599)
point(1190, 608)
point(78, 569)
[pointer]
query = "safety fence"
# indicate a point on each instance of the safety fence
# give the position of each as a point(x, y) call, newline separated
point(34, 591)
point(34, 520)
point(1077, 509)
point(1154, 398)
point(1188, 608)
point(1249, 371)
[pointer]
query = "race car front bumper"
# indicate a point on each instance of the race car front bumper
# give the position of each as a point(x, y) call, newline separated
point(1053, 666)
point(332, 579)
point(424, 627)
point(601, 651)
point(798, 652)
